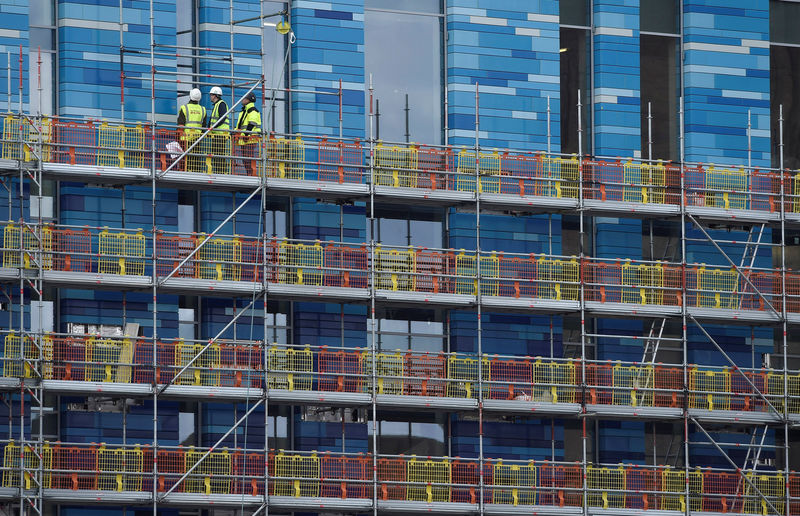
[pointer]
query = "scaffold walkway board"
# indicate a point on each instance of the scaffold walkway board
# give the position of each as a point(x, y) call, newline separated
point(355, 191)
point(210, 287)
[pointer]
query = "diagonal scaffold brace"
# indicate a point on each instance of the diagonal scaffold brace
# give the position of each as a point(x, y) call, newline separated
point(736, 367)
point(739, 470)
point(735, 267)
point(211, 450)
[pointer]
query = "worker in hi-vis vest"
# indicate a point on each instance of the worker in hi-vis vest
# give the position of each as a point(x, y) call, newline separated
point(191, 121)
point(249, 135)
point(220, 136)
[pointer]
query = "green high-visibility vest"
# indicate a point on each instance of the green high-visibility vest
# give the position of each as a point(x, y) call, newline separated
point(194, 115)
point(223, 126)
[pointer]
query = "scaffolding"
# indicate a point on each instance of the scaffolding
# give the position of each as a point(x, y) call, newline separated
point(698, 397)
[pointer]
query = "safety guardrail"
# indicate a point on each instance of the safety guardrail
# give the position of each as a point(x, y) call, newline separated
point(91, 358)
point(398, 269)
point(456, 169)
point(315, 474)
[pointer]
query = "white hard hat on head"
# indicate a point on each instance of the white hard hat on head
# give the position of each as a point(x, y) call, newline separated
point(216, 90)
point(195, 94)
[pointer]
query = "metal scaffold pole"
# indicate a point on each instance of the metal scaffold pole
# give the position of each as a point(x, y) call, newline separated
point(784, 324)
point(582, 288)
point(684, 320)
point(478, 298)
point(153, 177)
point(373, 347)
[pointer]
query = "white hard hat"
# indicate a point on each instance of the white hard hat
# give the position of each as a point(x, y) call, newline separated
point(195, 94)
point(216, 90)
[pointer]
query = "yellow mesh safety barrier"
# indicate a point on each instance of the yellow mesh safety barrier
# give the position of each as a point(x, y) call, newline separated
point(462, 374)
point(30, 463)
point(30, 247)
point(290, 368)
point(710, 390)
point(16, 356)
point(389, 371)
point(300, 264)
point(561, 177)
point(607, 487)
point(558, 279)
point(217, 151)
point(220, 259)
point(674, 481)
point(12, 133)
point(212, 476)
point(628, 382)
point(467, 282)
point(394, 269)
point(396, 166)
point(204, 370)
point(771, 486)
point(775, 390)
point(636, 278)
point(121, 146)
point(644, 182)
point(285, 158)
point(717, 288)
point(124, 467)
point(795, 197)
point(554, 381)
point(22, 139)
point(488, 171)
point(301, 475)
point(523, 479)
point(47, 357)
point(726, 188)
point(109, 360)
point(428, 472)
point(121, 253)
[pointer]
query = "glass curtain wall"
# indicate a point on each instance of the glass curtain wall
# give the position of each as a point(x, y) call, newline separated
point(659, 42)
point(408, 84)
point(42, 43)
point(575, 61)
point(784, 64)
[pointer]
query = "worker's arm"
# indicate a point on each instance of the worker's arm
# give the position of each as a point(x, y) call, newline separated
point(255, 122)
point(181, 116)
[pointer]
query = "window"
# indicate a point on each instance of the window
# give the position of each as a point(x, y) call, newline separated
point(424, 230)
point(42, 45)
point(574, 54)
point(784, 64)
point(784, 71)
point(275, 116)
point(659, 82)
point(574, 12)
point(659, 90)
point(783, 18)
point(425, 439)
point(659, 16)
point(406, 329)
point(408, 84)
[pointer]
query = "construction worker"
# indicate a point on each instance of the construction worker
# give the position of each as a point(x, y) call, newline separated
point(249, 125)
point(191, 121)
point(220, 133)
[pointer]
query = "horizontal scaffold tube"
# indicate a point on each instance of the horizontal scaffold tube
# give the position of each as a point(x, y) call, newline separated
point(90, 468)
point(409, 170)
point(89, 360)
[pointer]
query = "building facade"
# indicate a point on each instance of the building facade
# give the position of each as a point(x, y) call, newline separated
point(482, 256)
